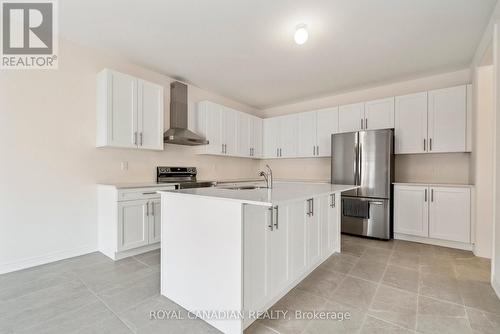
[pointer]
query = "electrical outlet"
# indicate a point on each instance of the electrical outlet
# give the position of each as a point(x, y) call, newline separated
point(124, 165)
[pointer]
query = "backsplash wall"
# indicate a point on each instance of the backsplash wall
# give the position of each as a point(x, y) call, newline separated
point(430, 168)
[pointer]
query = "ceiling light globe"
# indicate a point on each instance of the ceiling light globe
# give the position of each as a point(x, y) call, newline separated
point(301, 34)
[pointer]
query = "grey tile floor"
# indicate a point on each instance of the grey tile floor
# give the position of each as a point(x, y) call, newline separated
point(388, 287)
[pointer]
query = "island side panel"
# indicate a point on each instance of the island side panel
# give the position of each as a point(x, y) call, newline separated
point(201, 255)
point(338, 222)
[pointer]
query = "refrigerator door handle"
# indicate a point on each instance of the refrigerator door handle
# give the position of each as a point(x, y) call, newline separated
point(360, 159)
point(356, 152)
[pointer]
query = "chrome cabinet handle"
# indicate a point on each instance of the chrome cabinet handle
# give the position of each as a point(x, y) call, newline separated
point(152, 209)
point(361, 124)
point(147, 209)
point(432, 195)
point(425, 195)
point(150, 193)
point(141, 137)
point(135, 138)
point(276, 221)
point(312, 206)
point(308, 213)
point(222, 148)
point(271, 224)
point(332, 203)
point(366, 123)
point(430, 144)
point(424, 144)
point(277, 152)
point(281, 152)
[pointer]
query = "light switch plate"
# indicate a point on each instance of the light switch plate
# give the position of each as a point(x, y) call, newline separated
point(124, 165)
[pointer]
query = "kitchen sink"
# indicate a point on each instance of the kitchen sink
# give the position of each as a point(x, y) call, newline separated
point(246, 188)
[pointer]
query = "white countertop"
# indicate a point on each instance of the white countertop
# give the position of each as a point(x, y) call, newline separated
point(282, 192)
point(133, 185)
point(434, 184)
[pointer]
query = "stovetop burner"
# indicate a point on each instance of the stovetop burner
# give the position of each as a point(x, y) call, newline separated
point(185, 176)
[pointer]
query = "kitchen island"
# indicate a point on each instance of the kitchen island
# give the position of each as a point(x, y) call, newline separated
point(227, 255)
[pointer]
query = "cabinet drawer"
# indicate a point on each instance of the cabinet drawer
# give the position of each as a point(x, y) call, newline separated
point(140, 193)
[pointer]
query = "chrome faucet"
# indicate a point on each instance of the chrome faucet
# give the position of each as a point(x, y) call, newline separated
point(268, 177)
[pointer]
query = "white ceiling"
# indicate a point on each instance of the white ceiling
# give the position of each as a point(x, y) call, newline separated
point(244, 49)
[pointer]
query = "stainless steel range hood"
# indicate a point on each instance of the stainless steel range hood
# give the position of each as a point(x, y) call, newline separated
point(178, 132)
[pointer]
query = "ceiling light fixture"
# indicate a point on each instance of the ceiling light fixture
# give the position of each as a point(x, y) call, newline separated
point(301, 34)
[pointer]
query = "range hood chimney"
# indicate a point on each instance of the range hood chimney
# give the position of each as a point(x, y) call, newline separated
point(178, 132)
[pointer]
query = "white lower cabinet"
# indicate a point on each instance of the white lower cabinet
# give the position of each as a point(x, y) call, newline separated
point(330, 236)
point(283, 244)
point(277, 246)
point(434, 212)
point(313, 216)
point(256, 257)
point(129, 220)
point(411, 210)
point(133, 224)
point(297, 249)
point(449, 213)
point(155, 221)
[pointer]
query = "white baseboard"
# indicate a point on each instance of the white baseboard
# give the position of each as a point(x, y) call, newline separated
point(436, 242)
point(496, 285)
point(131, 252)
point(47, 258)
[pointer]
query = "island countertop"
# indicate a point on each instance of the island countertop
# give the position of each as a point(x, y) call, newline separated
point(280, 193)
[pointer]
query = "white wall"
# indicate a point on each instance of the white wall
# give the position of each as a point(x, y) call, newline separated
point(482, 160)
point(49, 165)
point(439, 168)
point(495, 277)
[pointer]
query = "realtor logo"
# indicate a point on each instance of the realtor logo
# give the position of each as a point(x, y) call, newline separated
point(28, 34)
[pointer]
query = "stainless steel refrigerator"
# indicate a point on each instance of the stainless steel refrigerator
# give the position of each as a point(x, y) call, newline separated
point(365, 158)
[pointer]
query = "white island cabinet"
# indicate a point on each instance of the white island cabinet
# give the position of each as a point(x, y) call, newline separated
point(237, 252)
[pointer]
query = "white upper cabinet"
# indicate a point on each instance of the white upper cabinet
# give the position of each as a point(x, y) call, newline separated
point(410, 122)
point(426, 122)
point(249, 135)
point(150, 115)
point(210, 126)
point(327, 121)
point(307, 143)
point(313, 136)
point(281, 137)
point(379, 114)
point(468, 133)
point(449, 213)
point(351, 117)
point(244, 129)
point(129, 112)
point(288, 136)
point(447, 119)
point(229, 131)
point(432, 122)
point(271, 137)
point(256, 136)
